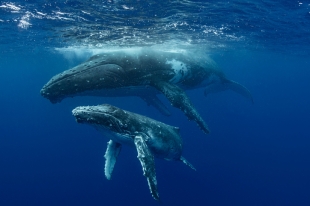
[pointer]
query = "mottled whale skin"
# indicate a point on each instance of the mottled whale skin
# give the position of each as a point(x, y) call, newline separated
point(151, 138)
point(143, 73)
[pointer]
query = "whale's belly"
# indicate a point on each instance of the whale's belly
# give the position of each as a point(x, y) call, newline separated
point(158, 145)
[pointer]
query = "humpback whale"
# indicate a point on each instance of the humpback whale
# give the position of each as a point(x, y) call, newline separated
point(143, 73)
point(151, 138)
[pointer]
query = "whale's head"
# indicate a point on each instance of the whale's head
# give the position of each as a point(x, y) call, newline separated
point(104, 116)
point(95, 74)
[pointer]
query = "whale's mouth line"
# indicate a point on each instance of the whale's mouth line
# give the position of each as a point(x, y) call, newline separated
point(64, 76)
point(92, 112)
point(109, 117)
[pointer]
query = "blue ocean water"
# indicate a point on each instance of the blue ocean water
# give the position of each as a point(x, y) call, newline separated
point(256, 154)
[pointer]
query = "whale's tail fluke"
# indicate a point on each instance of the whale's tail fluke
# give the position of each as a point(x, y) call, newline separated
point(229, 84)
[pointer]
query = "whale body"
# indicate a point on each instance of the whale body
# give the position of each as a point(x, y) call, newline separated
point(144, 73)
point(151, 138)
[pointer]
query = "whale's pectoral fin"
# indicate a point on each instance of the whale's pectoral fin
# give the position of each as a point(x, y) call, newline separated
point(179, 99)
point(111, 155)
point(148, 165)
point(155, 102)
point(229, 84)
point(236, 87)
point(187, 163)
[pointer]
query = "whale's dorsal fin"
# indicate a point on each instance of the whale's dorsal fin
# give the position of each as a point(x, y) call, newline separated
point(155, 102)
point(148, 165)
point(111, 155)
point(179, 99)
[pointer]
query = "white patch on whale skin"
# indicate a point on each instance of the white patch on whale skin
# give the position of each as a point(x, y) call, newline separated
point(111, 155)
point(180, 71)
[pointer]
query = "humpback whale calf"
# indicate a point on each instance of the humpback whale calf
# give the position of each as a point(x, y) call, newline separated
point(151, 138)
point(144, 73)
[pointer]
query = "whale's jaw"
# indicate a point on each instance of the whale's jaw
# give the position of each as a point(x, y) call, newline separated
point(108, 120)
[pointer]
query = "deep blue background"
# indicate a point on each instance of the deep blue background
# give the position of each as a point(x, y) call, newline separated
point(255, 155)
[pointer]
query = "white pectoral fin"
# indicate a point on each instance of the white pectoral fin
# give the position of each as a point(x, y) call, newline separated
point(111, 155)
point(187, 163)
point(148, 165)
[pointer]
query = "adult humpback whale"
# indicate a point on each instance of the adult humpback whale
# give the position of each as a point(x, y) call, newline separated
point(143, 73)
point(150, 137)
